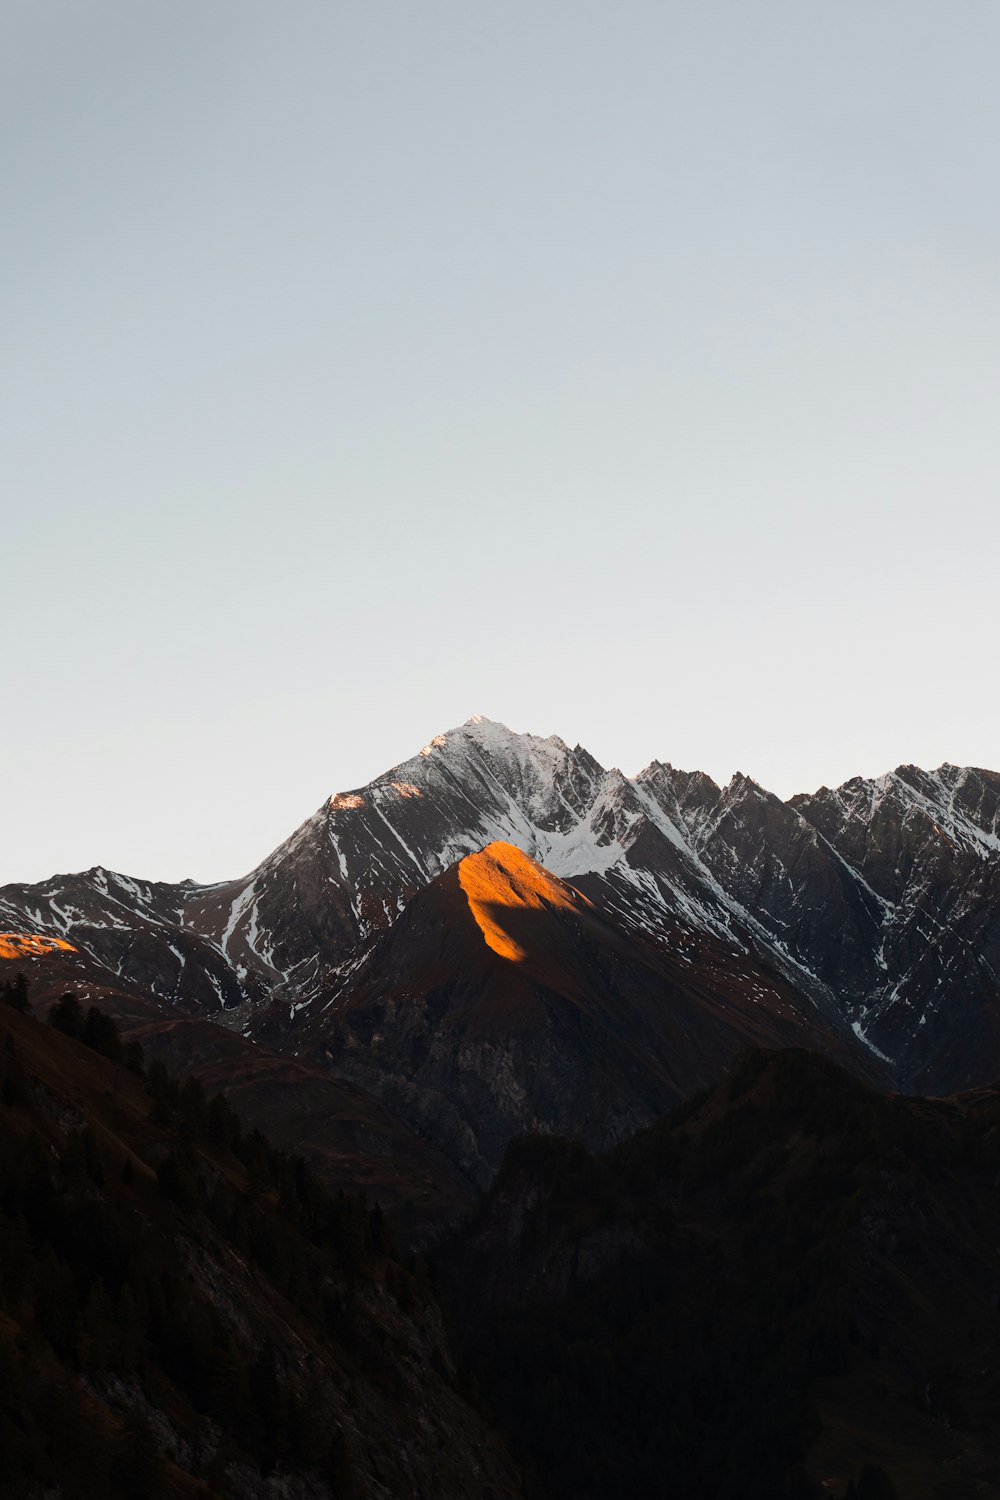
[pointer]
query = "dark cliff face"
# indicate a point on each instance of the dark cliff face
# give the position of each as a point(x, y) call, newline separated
point(766, 855)
point(885, 896)
point(925, 845)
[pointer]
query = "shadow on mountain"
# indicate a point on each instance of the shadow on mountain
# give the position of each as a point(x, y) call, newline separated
point(475, 1020)
point(788, 1279)
point(186, 1314)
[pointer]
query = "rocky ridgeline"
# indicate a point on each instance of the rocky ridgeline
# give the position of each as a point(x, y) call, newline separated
point(861, 921)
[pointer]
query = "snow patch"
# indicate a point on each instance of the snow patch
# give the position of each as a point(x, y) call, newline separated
point(856, 1028)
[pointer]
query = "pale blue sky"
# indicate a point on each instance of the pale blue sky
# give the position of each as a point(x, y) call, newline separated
point(626, 371)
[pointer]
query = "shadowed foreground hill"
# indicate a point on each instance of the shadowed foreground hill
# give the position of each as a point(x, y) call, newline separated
point(788, 1286)
point(184, 1312)
point(346, 1136)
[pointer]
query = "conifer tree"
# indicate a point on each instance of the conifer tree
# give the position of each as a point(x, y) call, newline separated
point(67, 1015)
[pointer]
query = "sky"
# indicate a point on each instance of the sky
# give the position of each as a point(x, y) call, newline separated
point(623, 371)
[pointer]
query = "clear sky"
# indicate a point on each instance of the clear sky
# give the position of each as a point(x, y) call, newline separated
point(627, 371)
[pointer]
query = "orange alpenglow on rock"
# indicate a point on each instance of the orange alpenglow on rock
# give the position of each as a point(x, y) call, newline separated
point(502, 876)
point(30, 945)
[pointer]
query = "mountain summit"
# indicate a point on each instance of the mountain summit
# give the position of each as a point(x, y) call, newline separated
point(502, 882)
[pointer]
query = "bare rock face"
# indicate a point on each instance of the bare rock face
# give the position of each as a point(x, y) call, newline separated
point(925, 846)
point(136, 935)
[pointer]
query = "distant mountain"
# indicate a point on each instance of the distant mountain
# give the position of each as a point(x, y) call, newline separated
point(865, 918)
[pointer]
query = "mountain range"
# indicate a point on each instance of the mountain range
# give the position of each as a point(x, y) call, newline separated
point(635, 1068)
point(500, 935)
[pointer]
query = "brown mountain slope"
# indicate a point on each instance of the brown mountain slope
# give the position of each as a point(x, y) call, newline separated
point(185, 1314)
point(786, 1288)
point(502, 1001)
point(348, 1137)
point(51, 968)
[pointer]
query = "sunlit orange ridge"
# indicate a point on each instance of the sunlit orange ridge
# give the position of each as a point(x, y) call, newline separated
point(501, 876)
point(30, 945)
